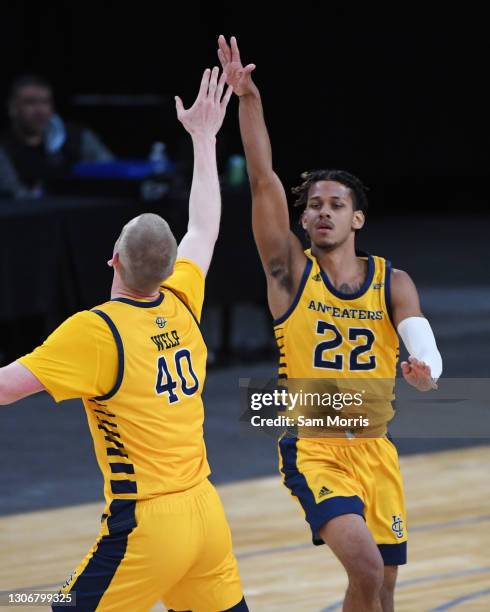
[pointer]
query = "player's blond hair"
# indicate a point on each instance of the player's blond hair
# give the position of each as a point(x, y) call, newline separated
point(147, 251)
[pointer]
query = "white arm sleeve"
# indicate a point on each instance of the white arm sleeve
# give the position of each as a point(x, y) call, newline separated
point(418, 338)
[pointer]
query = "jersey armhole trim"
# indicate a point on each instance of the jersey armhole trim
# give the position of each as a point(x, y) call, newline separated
point(304, 280)
point(120, 355)
point(388, 290)
point(184, 303)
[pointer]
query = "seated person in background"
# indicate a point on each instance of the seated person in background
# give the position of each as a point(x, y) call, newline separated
point(39, 148)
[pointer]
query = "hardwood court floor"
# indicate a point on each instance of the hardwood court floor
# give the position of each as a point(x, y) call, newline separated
point(448, 497)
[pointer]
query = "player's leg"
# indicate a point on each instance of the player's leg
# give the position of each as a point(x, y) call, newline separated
point(387, 594)
point(113, 575)
point(325, 479)
point(128, 569)
point(322, 478)
point(213, 584)
point(352, 543)
point(385, 512)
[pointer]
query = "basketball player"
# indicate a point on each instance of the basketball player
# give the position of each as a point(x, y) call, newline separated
point(138, 362)
point(336, 315)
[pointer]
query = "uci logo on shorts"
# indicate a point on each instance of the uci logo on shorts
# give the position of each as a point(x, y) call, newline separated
point(397, 526)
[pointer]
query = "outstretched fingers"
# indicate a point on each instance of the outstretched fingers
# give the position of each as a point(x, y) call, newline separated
point(179, 107)
point(248, 69)
point(203, 90)
point(226, 97)
point(222, 59)
point(224, 49)
point(213, 83)
point(221, 86)
point(235, 53)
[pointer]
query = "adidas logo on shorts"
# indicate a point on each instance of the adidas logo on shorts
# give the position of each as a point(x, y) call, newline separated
point(324, 491)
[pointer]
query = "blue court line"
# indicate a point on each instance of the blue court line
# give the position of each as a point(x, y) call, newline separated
point(455, 602)
point(273, 551)
point(432, 578)
point(335, 606)
point(429, 527)
point(293, 547)
point(456, 523)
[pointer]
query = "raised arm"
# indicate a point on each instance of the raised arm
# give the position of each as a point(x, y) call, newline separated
point(203, 121)
point(280, 250)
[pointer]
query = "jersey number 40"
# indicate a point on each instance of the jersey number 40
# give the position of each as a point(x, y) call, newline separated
point(185, 375)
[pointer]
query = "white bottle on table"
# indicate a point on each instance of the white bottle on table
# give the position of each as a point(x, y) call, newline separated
point(158, 156)
point(154, 188)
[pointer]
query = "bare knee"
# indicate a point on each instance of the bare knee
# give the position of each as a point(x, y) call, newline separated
point(366, 575)
point(349, 538)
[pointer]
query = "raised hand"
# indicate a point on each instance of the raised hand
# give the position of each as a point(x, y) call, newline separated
point(417, 373)
point(205, 116)
point(238, 76)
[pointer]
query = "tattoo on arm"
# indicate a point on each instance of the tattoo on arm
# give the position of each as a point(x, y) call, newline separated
point(281, 274)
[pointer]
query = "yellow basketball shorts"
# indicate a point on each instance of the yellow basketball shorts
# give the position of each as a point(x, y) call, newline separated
point(332, 477)
point(174, 548)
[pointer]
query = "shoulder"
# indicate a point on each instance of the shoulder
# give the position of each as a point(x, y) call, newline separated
point(404, 296)
point(86, 317)
point(83, 324)
point(185, 271)
point(188, 282)
point(401, 281)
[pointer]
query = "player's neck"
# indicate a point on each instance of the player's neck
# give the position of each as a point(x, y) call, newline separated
point(119, 290)
point(340, 262)
point(132, 295)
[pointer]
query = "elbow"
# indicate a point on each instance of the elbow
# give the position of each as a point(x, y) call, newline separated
point(211, 240)
point(262, 181)
point(206, 230)
point(209, 234)
point(206, 236)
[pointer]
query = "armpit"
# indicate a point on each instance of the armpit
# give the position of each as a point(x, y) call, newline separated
point(281, 273)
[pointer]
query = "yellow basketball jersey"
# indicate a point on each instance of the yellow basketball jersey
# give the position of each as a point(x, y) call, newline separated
point(328, 334)
point(148, 430)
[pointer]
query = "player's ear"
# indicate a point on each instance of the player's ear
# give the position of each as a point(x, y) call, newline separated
point(302, 220)
point(112, 263)
point(358, 220)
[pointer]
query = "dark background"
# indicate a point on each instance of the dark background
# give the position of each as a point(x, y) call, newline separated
point(395, 96)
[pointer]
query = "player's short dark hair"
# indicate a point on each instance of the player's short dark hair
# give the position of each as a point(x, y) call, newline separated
point(27, 80)
point(358, 189)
